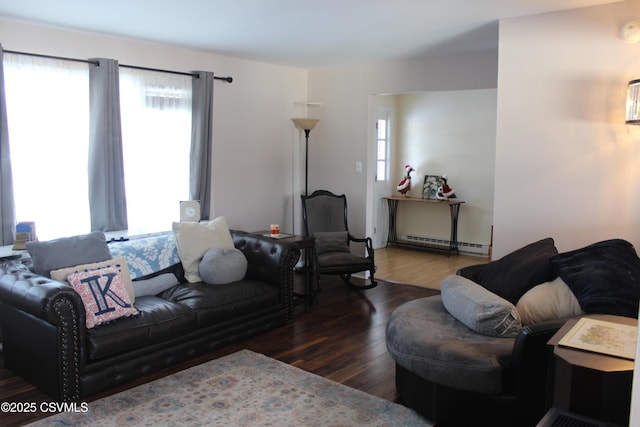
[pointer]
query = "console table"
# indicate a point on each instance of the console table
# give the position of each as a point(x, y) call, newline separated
point(454, 208)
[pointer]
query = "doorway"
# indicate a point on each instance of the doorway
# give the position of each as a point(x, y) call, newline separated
point(382, 188)
point(424, 130)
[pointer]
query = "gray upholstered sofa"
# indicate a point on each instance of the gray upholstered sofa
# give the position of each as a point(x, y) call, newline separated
point(47, 337)
point(476, 354)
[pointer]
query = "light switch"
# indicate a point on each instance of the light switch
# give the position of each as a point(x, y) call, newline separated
point(358, 166)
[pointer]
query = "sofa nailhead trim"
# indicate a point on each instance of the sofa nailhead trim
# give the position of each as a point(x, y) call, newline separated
point(70, 392)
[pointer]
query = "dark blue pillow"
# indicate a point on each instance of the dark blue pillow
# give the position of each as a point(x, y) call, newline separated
point(604, 276)
point(513, 275)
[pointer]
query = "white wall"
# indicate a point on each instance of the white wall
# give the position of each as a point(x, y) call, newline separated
point(256, 153)
point(342, 136)
point(566, 164)
point(258, 156)
point(449, 133)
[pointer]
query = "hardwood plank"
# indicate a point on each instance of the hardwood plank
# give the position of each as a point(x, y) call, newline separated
point(420, 267)
point(341, 337)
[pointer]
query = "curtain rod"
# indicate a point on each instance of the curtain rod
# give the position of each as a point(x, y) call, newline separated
point(88, 61)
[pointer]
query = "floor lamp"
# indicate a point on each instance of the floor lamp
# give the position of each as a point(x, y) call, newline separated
point(306, 125)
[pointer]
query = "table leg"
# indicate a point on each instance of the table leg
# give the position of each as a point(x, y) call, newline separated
point(393, 210)
point(311, 278)
point(453, 243)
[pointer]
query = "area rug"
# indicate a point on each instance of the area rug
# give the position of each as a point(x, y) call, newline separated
point(242, 389)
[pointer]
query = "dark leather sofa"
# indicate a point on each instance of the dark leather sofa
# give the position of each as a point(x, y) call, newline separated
point(45, 340)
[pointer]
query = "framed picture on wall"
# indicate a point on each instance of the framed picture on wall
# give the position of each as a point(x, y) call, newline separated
point(430, 186)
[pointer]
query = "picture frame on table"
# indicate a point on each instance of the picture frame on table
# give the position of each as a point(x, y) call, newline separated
point(430, 186)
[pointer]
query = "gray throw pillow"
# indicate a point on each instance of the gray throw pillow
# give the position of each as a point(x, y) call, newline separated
point(480, 309)
point(222, 265)
point(154, 285)
point(68, 252)
point(331, 241)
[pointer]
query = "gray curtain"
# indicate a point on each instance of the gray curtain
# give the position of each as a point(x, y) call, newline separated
point(7, 206)
point(201, 141)
point(107, 198)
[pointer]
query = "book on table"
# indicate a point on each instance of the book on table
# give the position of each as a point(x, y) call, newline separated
point(601, 336)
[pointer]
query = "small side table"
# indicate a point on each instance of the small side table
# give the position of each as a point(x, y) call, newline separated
point(306, 244)
point(592, 384)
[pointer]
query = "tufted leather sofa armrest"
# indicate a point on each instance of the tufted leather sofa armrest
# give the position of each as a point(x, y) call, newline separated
point(271, 261)
point(36, 295)
point(39, 317)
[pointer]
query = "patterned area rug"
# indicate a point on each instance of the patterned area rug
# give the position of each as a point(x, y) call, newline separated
point(242, 389)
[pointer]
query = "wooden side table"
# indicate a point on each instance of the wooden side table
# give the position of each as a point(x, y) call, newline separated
point(306, 244)
point(592, 384)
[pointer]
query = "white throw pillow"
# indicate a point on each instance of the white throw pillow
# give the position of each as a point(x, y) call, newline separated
point(548, 301)
point(120, 263)
point(193, 239)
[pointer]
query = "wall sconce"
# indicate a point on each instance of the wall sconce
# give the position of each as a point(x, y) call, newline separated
point(630, 32)
point(306, 125)
point(633, 103)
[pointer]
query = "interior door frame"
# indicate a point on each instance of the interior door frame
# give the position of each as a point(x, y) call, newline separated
point(377, 213)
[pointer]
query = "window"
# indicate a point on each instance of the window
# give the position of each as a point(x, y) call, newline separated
point(48, 118)
point(382, 143)
point(155, 111)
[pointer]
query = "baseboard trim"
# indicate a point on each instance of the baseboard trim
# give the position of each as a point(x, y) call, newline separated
point(445, 244)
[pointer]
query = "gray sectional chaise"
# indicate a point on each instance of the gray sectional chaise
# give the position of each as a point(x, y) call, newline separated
point(476, 354)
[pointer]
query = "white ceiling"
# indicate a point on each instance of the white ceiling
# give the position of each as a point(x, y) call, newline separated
point(299, 33)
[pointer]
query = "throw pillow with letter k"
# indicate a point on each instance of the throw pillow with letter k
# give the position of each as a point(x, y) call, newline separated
point(103, 294)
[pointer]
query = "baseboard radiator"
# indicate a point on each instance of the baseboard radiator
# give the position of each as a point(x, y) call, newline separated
point(464, 247)
point(561, 418)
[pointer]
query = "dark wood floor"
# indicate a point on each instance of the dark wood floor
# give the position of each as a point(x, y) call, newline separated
point(342, 337)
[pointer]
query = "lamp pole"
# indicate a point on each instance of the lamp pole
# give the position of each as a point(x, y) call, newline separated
point(306, 125)
point(306, 161)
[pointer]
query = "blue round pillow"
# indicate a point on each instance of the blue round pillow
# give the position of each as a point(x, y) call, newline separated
point(222, 265)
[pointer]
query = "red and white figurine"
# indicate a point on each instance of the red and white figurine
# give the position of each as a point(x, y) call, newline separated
point(405, 184)
point(444, 191)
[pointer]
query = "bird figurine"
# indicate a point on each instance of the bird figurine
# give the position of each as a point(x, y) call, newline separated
point(405, 185)
point(444, 191)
